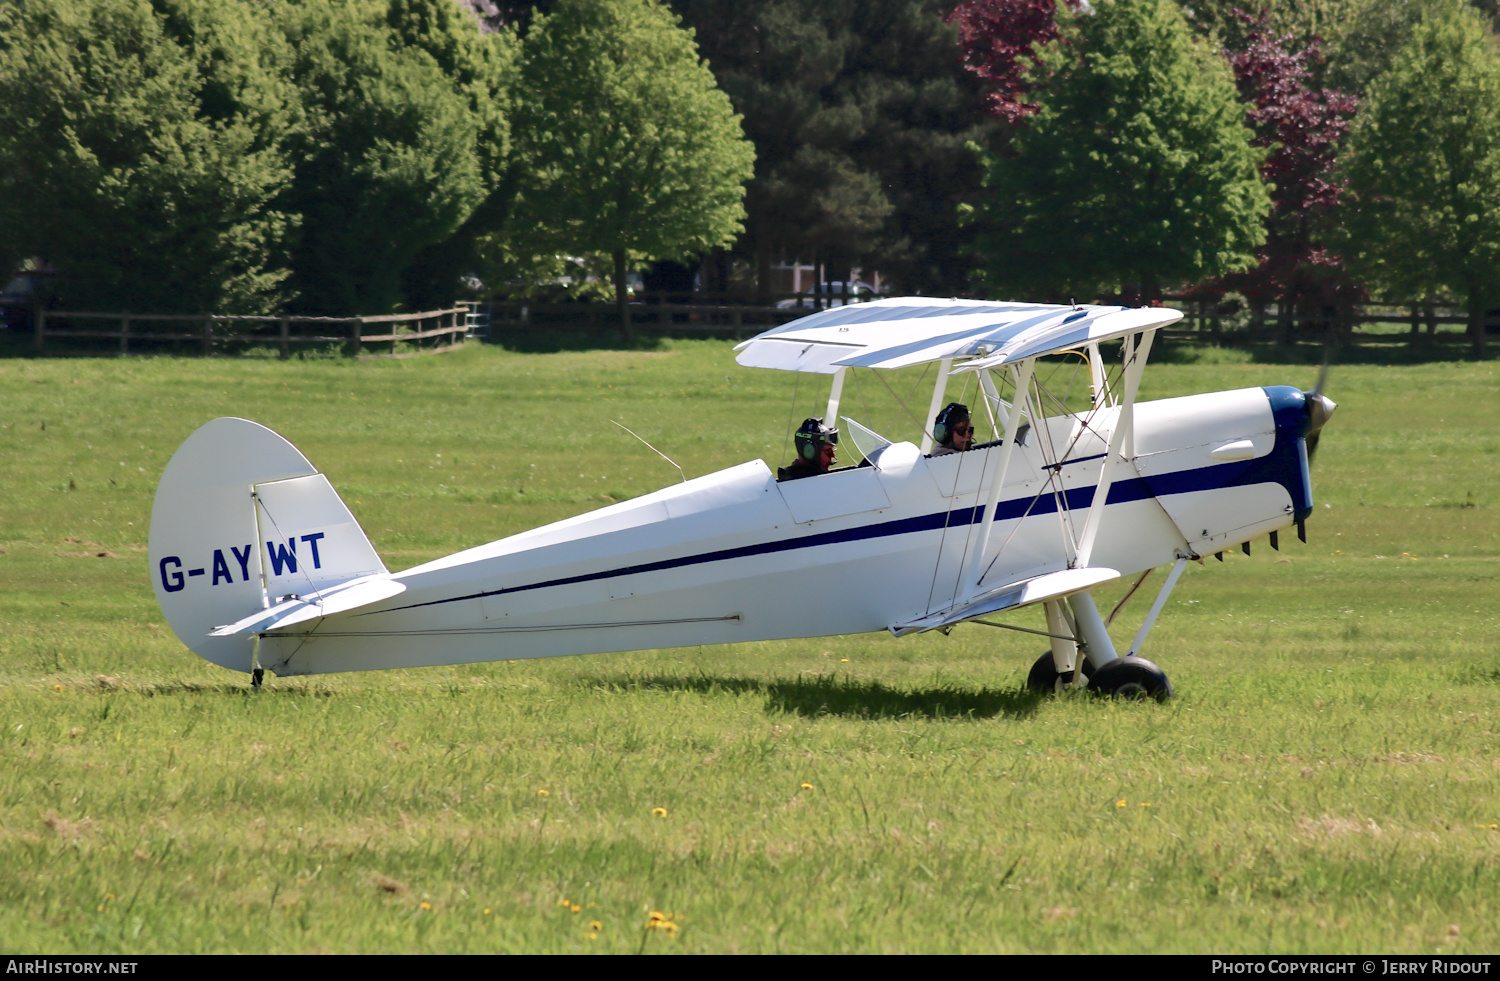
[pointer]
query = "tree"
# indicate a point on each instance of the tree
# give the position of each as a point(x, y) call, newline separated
point(626, 145)
point(141, 152)
point(387, 162)
point(1359, 37)
point(1425, 199)
point(781, 64)
point(1302, 128)
point(860, 116)
point(999, 41)
point(481, 67)
point(1137, 167)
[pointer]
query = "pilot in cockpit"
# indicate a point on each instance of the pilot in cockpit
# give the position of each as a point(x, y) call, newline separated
point(817, 450)
point(952, 430)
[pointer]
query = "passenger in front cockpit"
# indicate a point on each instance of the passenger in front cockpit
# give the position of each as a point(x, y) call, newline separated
point(817, 450)
point(952, 430)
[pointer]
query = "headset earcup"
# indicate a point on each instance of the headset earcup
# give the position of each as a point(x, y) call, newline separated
point(809, 450)
point(939, 432)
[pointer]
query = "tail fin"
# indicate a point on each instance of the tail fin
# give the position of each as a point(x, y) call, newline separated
point(241, 523)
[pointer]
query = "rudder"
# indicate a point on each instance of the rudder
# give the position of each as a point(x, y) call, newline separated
point(242, 519)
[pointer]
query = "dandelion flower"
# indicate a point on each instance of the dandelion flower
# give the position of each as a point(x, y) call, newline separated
point(591, 935)
point(575, 908)
point(543, 792)
point(657, 916)
point(565, 902)
point(425, 905)
point(487, 911)
point(595, 925)
point(806, 785)
point(660, 812)
point(660, 922)
point(1145, 803)
point(58, 687)
point(1120, 802)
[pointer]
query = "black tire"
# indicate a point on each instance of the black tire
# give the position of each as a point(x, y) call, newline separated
point(1043, 677)
point(1131, 677)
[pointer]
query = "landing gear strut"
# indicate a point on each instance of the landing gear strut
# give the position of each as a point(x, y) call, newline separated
point(1082, 653)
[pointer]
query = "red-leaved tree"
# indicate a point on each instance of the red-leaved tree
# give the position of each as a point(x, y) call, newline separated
point(1303, 126)
point(996, 39)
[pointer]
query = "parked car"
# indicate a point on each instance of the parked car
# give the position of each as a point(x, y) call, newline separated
point(824, 296)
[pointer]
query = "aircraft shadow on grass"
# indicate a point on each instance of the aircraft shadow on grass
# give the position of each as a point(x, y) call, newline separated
point(808, 697)
point(827, 695)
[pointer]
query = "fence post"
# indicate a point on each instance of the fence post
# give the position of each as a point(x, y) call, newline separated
point(286, 330)
point(208, 336)
point(39, 324)
point(359, 331)
point(125, 333)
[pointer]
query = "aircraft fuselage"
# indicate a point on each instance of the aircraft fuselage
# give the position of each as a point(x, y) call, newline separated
point(735, 556)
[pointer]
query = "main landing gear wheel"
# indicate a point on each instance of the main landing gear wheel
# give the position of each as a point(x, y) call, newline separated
point(1044, 677)
point(1131, 677)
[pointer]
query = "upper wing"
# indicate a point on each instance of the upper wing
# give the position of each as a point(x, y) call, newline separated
point(910, 330)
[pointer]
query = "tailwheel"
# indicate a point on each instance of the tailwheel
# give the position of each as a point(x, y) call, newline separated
point(1044, 678)
point(1133, 678)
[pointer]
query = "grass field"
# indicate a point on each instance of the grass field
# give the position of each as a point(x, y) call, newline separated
point(1327, 780)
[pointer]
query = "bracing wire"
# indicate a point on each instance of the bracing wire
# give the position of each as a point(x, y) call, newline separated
point(791, 413)
point(925, 427)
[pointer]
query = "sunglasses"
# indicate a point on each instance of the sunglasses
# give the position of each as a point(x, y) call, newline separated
point(963, 430)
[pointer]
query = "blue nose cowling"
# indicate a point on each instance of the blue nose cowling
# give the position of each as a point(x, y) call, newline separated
point(1288, 460)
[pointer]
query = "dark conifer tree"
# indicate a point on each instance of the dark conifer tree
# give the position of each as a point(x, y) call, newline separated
point(859, 112)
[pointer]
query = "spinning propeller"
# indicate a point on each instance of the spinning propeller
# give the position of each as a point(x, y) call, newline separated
point(1320, 408)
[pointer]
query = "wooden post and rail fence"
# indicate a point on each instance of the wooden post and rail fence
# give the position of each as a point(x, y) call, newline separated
point(429, 331)
point(738, 316)
point(729, 315)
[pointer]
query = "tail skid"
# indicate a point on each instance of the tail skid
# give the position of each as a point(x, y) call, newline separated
point(247, 535)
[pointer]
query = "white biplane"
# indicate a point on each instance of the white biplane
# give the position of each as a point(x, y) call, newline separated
point(258, 564)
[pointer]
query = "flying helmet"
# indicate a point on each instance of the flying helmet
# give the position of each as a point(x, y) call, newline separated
point(811, 436)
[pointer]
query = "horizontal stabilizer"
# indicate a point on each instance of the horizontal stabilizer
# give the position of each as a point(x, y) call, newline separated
point(1010, 597)
point(315, 603)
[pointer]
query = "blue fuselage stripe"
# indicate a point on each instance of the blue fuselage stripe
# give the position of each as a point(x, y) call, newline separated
point(1240, 473)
